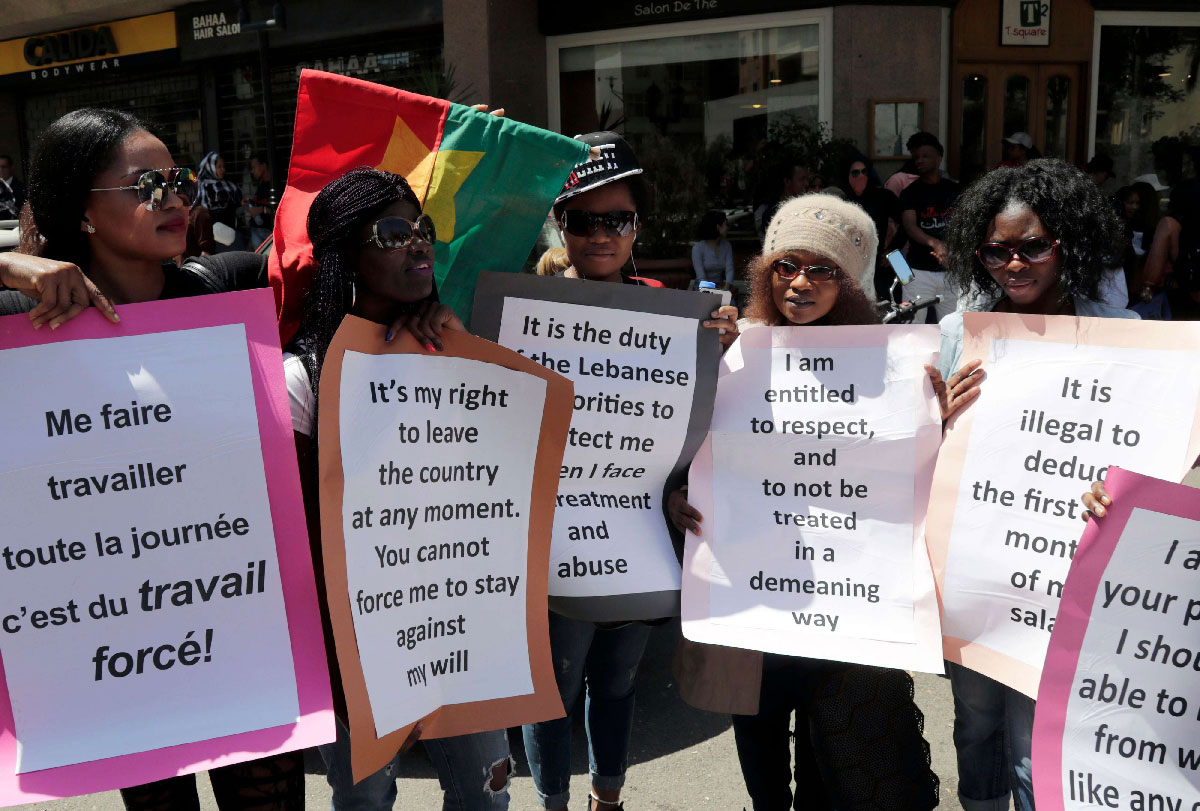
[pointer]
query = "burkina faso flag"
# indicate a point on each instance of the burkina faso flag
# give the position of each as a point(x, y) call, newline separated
point(487, 182)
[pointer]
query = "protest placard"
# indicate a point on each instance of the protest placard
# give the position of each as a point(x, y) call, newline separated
point(1064, 399)
point(813, 486)
point(159, 612)
point(644, 370)
point(437, 491)
point(1119, 706)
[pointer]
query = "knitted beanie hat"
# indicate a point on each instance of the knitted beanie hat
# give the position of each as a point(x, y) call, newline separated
point(826, 225)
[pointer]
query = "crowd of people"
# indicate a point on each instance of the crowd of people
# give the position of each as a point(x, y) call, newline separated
point(109, 215)
point(1152, 269)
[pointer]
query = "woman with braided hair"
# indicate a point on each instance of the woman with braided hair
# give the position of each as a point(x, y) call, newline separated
point(374, 251)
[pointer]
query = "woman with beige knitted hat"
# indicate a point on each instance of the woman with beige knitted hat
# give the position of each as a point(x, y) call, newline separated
point(858, 736)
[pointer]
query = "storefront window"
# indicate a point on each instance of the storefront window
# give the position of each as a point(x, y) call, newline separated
point(708, 100)
point(1148, 101)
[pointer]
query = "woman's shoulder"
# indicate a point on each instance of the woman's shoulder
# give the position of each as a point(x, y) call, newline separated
point(229, 271)
point(1090, 308)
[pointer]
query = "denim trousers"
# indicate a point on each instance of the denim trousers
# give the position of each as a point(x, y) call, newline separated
point(993, 736)
point(601, 663)
point(464, 766)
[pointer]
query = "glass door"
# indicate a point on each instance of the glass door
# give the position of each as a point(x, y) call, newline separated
point(994, 100)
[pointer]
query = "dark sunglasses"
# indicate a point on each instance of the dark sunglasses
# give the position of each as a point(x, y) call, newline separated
point(152, 186)
point(397, 233)
point(585, 223)
point(857, 172)
point(786, 269)
point(1032, 251)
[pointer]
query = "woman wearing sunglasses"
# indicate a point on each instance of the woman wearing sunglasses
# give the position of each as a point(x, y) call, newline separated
point(1029, 240)
point(818, 256)
point(598, 212)
point(107, 210)
point(374, 250)
point(861, 185)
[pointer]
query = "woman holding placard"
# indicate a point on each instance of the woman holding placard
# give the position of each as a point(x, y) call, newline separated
point(817, 260)
point(599, 213)
point(1029, 240)
point(374, 250)
point(107, 211)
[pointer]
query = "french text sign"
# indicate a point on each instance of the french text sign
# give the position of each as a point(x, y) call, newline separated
point(159, 610)
point(813, 488)
point(1119, 704)
point(1064, 399)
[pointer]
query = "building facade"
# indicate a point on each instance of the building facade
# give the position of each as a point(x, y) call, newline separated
point(701, 81)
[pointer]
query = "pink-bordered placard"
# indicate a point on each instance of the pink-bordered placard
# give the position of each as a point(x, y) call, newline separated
point(1129, 491)
point(256, 310)
point(924, 653)
point(979, 330)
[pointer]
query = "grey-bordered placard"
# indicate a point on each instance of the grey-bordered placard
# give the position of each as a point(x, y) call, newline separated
point(491, 291)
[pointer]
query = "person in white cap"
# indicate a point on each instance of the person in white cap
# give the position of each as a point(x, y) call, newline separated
point(1018, 150)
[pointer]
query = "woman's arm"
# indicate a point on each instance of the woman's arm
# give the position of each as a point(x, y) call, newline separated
point(728, 252)
point(1164, 250)
point(698, 260)
point(60, 287)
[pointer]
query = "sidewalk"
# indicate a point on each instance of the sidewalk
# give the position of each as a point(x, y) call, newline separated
point(681, 758)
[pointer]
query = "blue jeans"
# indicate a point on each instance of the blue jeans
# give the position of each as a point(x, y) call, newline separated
point(603, 663)
point(993, 736)
point(464, 766)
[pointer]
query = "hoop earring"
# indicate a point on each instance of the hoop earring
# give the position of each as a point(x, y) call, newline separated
point(633, 262)
point(353, 294)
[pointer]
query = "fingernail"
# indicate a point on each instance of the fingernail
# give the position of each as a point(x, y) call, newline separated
point(388, 337)
point(430, 347)
point(1099, 511)
point(54, 326)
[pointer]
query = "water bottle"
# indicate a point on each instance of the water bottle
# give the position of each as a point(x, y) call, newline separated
point(711, 287)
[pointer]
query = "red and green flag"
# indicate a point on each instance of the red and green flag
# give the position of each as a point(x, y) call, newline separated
point(487, 182)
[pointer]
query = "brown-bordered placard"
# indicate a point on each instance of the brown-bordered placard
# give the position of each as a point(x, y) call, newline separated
point(370, 752)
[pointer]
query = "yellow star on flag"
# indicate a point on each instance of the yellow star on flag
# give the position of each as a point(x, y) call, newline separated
point(409, 157)
point(435, 177)
point(452, 168)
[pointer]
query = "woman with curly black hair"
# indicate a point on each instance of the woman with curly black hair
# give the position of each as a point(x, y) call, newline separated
point(1029, 240)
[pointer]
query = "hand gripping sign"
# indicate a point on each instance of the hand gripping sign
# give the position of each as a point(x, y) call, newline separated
point(438, 474)
point(1064, 399)
point(158, 607)
point(644, 370)
point(1119, 703)
point(813, 485)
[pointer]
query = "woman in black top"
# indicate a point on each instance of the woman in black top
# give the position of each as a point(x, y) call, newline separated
point(107, 209)
point(862, 186)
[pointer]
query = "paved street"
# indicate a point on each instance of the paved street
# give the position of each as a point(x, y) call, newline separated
point(681, 758)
